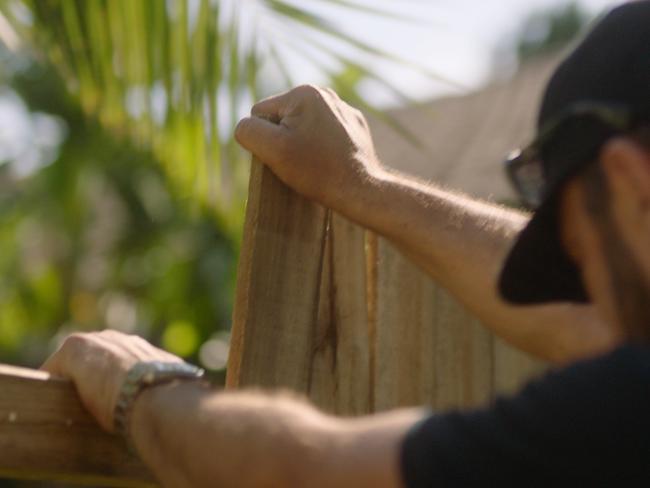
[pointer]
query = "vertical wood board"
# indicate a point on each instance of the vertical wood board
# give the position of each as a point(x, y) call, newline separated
point(513, 368)
point(430, 351)
point(300, 318)
point(278, 286)
point(340, 368)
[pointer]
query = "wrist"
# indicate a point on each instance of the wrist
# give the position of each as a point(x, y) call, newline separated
point(143, 376)
point(359, 197)
point(368, 201)
point(159, 421)
point(168, 430)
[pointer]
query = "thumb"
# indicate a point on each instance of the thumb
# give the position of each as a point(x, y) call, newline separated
point(260, 137)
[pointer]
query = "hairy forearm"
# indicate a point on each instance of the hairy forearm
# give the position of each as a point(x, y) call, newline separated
point(444, 231)
point(193, 437)
point(461, 243)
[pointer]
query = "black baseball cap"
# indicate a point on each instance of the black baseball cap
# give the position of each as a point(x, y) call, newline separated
point(600, 90)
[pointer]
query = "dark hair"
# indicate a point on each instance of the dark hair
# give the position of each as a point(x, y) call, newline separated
point(629, 286)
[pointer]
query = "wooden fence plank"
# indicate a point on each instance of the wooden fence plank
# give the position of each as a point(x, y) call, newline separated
point(429, 350)
point(512, 368)
point(405, 369)
point(463, 356)
point(278, 286)
point(300, 309)
point(340, 369)
point(45, 433)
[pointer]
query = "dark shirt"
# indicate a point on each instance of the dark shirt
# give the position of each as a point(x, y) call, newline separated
point(587, 424)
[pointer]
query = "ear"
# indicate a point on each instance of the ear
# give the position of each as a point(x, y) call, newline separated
point(627, 167)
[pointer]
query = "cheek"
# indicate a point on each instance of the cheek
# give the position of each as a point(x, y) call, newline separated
point(595, 274)
point(582, 242)
point(595, 277)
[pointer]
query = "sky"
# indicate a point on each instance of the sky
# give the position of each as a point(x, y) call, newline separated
point(456, 39)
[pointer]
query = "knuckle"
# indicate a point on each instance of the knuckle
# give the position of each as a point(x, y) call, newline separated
point(74, 342)
point(110, 333)
point(331, 92)
point(309, 91)
point(257, 108)
point(138, 339)
point(241, 128)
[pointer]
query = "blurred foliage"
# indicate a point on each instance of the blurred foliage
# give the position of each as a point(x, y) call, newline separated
point(95, 236)
point(176, 75)
point(547, 31)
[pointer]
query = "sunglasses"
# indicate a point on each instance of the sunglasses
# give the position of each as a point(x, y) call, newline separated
point(525, 167)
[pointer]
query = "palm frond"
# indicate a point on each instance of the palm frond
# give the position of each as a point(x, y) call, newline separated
point(175, 75)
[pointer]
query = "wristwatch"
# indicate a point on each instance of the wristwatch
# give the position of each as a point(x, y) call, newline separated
point(145, 375)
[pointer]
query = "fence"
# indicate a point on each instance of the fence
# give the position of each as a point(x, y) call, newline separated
point(45, 433)
point(324, 308)
point(328, 309)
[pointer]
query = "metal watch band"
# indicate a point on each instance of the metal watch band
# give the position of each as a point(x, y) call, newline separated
point(144, 375)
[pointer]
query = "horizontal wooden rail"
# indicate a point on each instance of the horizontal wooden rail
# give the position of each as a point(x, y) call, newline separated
point(45, 433)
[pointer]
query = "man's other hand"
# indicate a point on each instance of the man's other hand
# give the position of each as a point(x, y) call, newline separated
point(97, 363)
point(313, 141)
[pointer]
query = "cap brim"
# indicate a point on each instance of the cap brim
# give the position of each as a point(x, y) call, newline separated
point(538, 270)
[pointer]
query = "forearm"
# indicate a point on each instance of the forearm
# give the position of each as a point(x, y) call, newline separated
point(461, 243)
point(192, 437)
point(445, 232)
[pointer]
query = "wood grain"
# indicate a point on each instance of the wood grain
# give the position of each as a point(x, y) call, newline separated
point(340, 367)
point(300, 310)
point(405, 362)
point(512, 368)
point(278, 287)
point(463, 350)
point(430, 351)
point(45, 433)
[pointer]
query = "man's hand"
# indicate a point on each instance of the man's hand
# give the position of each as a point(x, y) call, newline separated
point(191, 436)
point(97, 364)
point(313, 141)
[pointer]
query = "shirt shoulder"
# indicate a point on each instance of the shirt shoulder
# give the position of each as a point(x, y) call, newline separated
point(588, 421)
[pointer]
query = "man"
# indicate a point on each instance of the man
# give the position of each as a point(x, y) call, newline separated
point(586, 423)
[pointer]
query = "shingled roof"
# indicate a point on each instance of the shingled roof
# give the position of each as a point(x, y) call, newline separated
point(465, 138)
